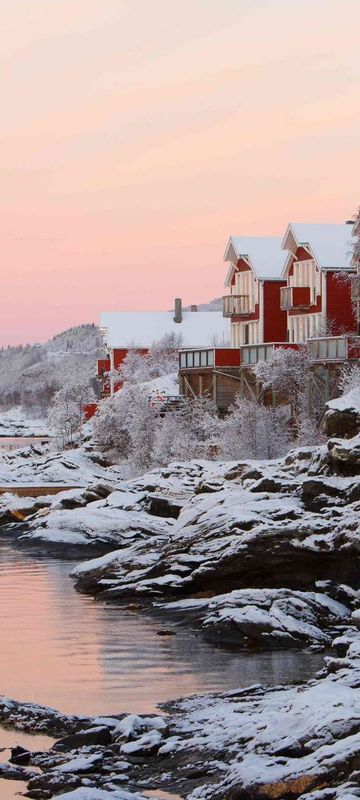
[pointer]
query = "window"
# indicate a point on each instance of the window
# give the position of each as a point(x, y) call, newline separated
point(246, 334)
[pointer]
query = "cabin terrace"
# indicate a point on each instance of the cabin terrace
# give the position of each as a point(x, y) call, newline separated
point(255, 279)
point(317, 296)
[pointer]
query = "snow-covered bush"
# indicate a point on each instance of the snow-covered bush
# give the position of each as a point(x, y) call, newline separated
point(126, 425)
point(350, 378)
point(190, 430)
point(252, 430)
point(161, 359)
point(288, 375)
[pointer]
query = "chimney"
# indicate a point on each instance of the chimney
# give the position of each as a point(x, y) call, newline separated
point(193, 308)
point(178, 310)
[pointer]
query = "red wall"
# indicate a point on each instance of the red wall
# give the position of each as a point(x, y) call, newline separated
point(275, 320)
point(227, 357)
point(89, 409)
point(103, 365)
point(121, 353)
point(339, 307)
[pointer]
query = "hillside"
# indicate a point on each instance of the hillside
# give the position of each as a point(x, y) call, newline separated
point(30, 375)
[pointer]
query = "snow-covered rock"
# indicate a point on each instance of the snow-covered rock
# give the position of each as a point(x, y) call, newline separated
point(342, 415)
point(264, 618)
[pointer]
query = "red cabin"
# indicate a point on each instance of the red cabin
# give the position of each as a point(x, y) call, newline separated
point(317, 298)
point(255, 280)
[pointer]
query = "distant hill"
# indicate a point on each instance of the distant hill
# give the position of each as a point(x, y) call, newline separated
point(30, 375)
point(212, 305)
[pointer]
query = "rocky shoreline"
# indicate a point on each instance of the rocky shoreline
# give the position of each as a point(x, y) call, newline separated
point(257, 556)
point(280, 742)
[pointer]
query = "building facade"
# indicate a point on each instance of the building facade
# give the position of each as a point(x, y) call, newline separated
point(254, 280)
point(318, 269)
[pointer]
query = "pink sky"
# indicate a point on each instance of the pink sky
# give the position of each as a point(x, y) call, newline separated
point(137, 135)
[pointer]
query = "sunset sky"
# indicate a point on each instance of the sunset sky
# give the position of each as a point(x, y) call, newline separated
point(137, 135)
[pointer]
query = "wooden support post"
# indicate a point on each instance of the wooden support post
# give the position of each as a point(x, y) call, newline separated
point(241, 383)
point(200, 385)
point(327, 383)
point(214, 389)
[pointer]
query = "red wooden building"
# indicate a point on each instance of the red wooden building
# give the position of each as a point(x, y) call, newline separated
point(255, 279)
point(137, 330)
point(317, 296)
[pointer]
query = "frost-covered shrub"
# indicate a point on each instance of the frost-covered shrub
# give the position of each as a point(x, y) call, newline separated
point(126, 424)
point(192, 430)
point(350, 379)
point(252, 430)
point(288, 374)
point(162, 359)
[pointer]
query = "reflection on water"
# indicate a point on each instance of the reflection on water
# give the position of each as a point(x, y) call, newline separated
point(68, 651)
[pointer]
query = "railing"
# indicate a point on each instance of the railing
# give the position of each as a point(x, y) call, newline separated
point(294, 297)
point(236, 305)
point(355, 288)
point(334, 348)
point(193, 359)
point(253, 353)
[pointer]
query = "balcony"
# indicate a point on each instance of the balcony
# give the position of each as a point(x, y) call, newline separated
point(294, 297)
point(253, 353)
point(355, 288)
point(236, 305)
point(334, 348)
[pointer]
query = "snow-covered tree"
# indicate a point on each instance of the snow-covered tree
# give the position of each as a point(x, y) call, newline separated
point(191, 430)
point(126, 426)
point(66, 414)
point(162, 359)
point(356, 238)
point(252, 430)
point(288, 374)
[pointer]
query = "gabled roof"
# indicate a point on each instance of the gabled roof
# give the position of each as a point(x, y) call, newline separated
point(328, 243)
point(139, 329)
point(263, 254)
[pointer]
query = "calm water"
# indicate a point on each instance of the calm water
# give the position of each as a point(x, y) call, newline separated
point(70, 652)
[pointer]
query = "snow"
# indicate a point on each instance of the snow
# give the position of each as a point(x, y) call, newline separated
point(329, 243)
point(37, 468)
point(264, 254)
point(127, 329)
point(14, 422)
point(165, 385)
point(347, 402)
point(83, 793)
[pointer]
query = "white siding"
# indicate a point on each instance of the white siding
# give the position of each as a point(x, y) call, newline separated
point(239, 331)
point(246, 284)
point(305, 273)
point(304, 327)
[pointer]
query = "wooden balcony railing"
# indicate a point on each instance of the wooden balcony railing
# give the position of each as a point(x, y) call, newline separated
point(294, 297)
point(334, 348)
point(236, 305)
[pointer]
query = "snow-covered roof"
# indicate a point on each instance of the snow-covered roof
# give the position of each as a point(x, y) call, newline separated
point(263, 254)
point(125, 329)
point(328, 243)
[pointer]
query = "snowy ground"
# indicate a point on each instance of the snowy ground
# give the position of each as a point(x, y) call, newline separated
point(14, 423)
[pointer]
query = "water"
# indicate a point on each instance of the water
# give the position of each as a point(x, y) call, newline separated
point(68, 651)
